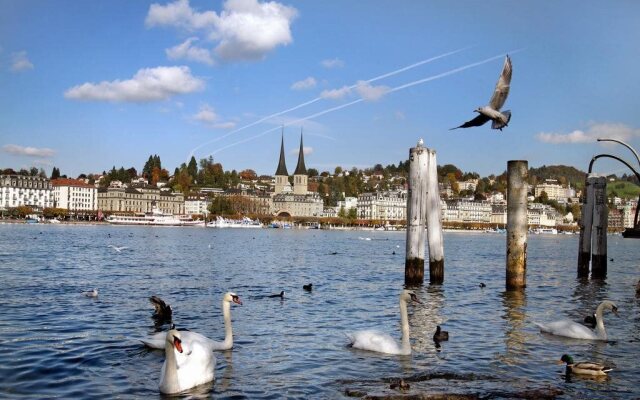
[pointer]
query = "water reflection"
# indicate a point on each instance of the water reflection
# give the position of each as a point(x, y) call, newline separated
point(514, 305)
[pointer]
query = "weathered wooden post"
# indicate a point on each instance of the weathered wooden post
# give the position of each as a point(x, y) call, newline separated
point(416, 211)
point(434, 221)
point(586, 221)
point(600, 224)
point(517, 174)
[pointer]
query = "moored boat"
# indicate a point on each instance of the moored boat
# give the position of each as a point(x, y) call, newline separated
point(155, 217)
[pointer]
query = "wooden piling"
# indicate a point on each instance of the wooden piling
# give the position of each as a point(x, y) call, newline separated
point(434, 221)
point(416, 211)
point(517, 174)
point(586, 222)
point(600, 225)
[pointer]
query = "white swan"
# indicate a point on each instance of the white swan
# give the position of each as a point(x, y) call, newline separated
point(157, 340)
point(575, 330)
point(381, 342)
point(186, 364)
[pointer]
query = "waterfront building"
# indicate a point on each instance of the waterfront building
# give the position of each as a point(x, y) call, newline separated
point(541, 215)
point(140, 199)
point(30, 191)
point(249, 201)
point(348, 203)
point(74, 195)
point(294, 201)
point(554, 191)
point(197, 205)
point(459, 210)
point(498, 214)
point(385, 206)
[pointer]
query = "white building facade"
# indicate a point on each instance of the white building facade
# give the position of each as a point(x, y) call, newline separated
point(31, 191)
point(74, 195)
point(386, 206)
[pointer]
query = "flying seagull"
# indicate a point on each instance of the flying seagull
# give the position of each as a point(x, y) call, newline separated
point(492, 111)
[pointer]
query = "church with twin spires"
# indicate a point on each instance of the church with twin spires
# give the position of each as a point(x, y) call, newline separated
point(296, 200)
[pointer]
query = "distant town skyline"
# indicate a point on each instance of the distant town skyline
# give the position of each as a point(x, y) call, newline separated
point(91, 85)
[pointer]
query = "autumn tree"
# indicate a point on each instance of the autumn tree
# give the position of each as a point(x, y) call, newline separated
point(248, 175)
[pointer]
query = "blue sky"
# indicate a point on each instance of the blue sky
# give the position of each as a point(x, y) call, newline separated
point(86, 85)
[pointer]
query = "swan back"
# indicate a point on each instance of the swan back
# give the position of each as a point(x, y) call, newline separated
point(379, 342)
point(569, 329)
point(373, 340)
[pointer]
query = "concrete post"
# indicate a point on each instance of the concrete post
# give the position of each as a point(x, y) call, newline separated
point(434, 221)
point(600, 225)
point(416, 210)
point(586, 221)
point(517, 174)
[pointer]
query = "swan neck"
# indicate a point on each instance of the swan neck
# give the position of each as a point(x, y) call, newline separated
point(600, 331)
point(228, 330)
point(404, 324)
point(170, 366)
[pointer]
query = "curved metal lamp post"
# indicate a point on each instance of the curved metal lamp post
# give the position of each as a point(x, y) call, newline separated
point(629, 232)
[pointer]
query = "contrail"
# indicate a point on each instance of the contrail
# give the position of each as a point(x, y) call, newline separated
point(395, 89)
point(377, 78)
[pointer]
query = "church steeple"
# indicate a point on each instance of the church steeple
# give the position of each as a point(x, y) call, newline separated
point(282, 166)
point(300, 179)
point(300, 168)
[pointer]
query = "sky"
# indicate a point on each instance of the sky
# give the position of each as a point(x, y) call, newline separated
point(89, 85)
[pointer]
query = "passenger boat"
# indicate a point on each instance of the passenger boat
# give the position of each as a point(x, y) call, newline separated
point(155, 217)
point(245, 222)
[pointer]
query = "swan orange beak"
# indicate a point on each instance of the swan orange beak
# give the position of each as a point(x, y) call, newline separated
point(177, 343)
point(237, 300)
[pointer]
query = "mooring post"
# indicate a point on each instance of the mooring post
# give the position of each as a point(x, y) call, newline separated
point(434, 221)
point(416, 211)
point(600, 225)
point(586, 222)
point(517, 174)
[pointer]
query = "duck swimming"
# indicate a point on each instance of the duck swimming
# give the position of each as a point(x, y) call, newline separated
point(440, 335)
point(584, 367)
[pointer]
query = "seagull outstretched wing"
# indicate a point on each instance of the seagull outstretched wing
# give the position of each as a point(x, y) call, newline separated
point(502, 87)
point(477, 121)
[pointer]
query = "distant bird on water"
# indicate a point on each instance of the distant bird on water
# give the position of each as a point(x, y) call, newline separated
point(440, 335)
point(118, 249)
point(308, 287)
point(90, 293)
point(281, 295)
point(491, 112)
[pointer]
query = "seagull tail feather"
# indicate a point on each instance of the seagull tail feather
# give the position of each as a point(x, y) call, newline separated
point(497, 124)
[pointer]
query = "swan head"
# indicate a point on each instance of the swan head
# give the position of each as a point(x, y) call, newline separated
point(409, 296)
point(231, 297)
point(609, 305)
point(174, 339)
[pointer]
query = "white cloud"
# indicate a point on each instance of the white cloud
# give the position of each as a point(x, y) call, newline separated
point(333, 63)
point(336, 94)
point(369, 92)
point(180, 14)
point(28, 151)
point(594, 131)
point(308, 83)
point(149, 84)
point(20, 62)
point(206, 114)
point(305, 150)
point(187, 51)
point(244, 29)
point(225, 125)
point(209, 117)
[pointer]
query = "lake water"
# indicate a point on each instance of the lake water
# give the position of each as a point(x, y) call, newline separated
point(56, 343)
